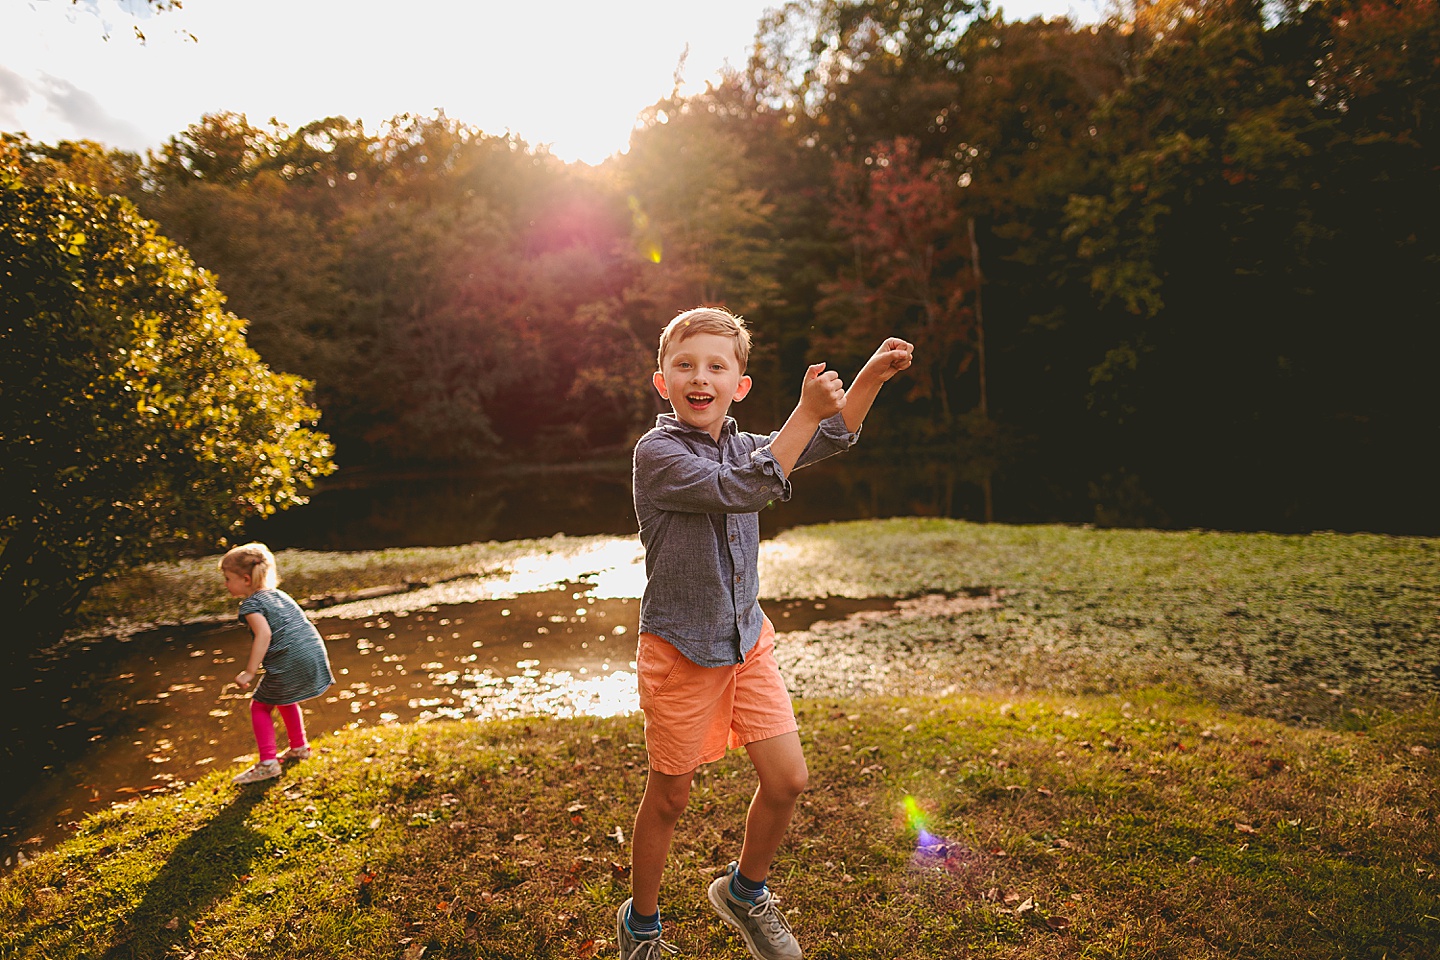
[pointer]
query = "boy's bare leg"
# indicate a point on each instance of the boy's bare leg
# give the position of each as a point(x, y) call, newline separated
point(660, 809)
point(781, 765)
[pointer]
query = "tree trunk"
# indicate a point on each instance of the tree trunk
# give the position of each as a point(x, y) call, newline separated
point(986, 481)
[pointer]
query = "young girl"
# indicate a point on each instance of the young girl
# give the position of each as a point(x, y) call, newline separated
point(288, 646)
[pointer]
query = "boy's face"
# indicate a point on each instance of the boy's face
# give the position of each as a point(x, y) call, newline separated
point(701, 378)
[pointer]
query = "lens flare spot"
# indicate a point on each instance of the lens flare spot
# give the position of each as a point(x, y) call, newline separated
point(915, 818)
point(932, 852)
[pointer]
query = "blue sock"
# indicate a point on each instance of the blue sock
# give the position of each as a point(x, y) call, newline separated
point(743, 888)
point(643, 927)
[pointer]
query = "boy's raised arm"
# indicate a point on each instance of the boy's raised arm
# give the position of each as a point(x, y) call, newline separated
point(822, 395)
point(893, 356)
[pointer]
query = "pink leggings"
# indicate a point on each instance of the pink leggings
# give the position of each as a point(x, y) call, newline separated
point(264, 726)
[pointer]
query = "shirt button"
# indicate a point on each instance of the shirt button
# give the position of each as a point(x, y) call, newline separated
point(732, 538)
point(737, 578)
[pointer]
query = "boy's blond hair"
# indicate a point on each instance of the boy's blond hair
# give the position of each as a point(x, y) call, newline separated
point(716, 320)
point(253, 561)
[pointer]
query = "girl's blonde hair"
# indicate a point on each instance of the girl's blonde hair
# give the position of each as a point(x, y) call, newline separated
point(254, 561)
point(706, 320)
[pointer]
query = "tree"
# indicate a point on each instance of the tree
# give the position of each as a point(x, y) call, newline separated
point(1259, 236)
point(910, 266)
point(133, 416)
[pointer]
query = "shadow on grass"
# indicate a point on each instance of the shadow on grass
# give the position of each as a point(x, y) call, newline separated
point(203, 867)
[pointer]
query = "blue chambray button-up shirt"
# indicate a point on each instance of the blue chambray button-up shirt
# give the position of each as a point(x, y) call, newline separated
point(698, 503)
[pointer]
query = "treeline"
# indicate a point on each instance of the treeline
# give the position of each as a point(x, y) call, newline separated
point(1181, 268)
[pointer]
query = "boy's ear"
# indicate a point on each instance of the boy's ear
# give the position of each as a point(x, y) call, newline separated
point(659, 380)
point(741, 389)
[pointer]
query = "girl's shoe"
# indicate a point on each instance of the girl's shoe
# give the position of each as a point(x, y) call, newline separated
point(296, 753)
point(264, 770)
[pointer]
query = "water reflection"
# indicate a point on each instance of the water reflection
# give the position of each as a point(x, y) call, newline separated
point(161, 709)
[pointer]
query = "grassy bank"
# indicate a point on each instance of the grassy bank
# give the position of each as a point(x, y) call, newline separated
point(1098, 827)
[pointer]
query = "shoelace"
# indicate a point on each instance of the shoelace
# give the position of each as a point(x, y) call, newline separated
point(767, 911)
point(651, 949)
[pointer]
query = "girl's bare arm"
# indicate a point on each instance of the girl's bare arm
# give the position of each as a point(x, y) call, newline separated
point(261, 629)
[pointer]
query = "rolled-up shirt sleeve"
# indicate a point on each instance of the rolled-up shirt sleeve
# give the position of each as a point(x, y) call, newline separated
point(675, 479)
point(833, 437)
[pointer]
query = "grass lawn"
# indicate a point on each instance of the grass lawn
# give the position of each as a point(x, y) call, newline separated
point(1110, 744)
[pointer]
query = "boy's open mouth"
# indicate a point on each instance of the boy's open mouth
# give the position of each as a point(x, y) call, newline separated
point(699, 401)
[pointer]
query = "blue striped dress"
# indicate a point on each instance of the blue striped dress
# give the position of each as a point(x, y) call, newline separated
point(296, 665)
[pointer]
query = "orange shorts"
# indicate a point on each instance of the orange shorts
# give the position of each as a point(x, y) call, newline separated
point(693, 713)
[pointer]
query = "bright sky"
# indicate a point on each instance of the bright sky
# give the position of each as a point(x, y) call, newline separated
point(573, 74)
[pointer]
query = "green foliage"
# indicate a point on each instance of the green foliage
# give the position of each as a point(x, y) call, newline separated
point(134, 415)
point(440, 285)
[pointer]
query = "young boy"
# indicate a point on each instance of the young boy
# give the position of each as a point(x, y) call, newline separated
point(706, 658)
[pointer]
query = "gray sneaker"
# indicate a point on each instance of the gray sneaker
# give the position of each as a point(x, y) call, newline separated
point(264, 770)
point(761, 925)
point(634, 948)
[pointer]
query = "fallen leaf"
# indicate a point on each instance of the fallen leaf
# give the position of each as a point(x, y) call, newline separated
point(414, 952)
point(586, 950)
point(1043, 792)
point(1012, 898)
point(173, 923)
point(1244, 828)
point(1057, 923)
point(575, 808)
point(1028, 905)
point(1420, 750)
point(521, 837)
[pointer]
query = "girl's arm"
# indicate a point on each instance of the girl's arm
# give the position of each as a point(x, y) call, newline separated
point(261, 629)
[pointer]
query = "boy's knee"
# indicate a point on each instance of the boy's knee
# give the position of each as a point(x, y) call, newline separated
point(668, 796)
point(789, 784)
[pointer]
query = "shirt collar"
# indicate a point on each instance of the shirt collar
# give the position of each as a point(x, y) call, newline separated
point(670, 422)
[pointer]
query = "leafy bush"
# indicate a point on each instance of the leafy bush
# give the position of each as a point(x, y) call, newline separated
point(133, 416)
